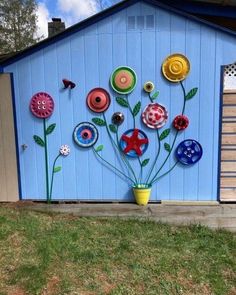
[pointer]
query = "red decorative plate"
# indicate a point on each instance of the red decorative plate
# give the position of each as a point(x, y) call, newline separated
point(181, 122)
point(42, 105)
point(98, 100)
point(134, 143)
point(154, 116)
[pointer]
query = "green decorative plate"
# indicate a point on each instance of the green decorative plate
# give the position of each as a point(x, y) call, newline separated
point(123, 80)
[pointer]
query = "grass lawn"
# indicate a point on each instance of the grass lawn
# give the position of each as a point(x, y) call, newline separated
point(57, 254)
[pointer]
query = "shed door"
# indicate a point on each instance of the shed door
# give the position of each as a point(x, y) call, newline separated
point(228, 148)
point(8, 166)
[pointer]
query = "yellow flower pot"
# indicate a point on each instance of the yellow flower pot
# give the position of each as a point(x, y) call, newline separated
point(142, 194)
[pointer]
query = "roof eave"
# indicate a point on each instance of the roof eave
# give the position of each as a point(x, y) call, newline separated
point(100, 16)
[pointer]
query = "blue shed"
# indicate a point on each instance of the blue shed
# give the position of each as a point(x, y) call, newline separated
point(138, 35)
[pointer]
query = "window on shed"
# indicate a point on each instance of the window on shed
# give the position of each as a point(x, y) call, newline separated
point(150, 21)
point(131, 22)
point(140, 22)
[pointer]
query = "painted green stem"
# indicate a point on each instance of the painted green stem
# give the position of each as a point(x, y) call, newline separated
point(172, 168)
point(46, 159)
point(124, 157)
point(176, 134)
point(141, 170)
point(159, 147)
point(157, 156)
point(184, 93)
point(52, 177)
point(116, 145)
point(126, 176)
point(130, 109)
point(150, 97)
point(163, 164)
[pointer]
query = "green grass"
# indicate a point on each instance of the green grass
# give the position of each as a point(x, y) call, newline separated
point(62, 254)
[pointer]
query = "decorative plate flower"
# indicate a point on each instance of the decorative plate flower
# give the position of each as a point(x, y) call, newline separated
point(123, 80)
point(85, 134)
point(154, 116)
point(42, 105)
point(134, 142)
point(176, 67)
point(181, 122)
point(118, 118)
point(98, 100)
point(64, 150)
point(148, 87)
point(189, 152)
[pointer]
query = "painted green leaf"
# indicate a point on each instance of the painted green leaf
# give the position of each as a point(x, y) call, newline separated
point(122, 102)
point(145, 162)
point(167, 147)
point(50, 128)
point(99, 122)
point(57, 169)
point(155, 95)
point(191, 93)
point(136, 109)
point(113, 128)
point(39, 140)
point(164, 134)
point(99, 148)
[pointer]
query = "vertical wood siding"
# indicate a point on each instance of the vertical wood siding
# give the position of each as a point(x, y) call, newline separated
point(8, 166)
point(228, 148)
point(88, 58)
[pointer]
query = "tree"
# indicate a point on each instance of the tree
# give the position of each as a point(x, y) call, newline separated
point(18, 25)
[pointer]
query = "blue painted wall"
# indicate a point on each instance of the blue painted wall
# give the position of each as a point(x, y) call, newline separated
point(88, 58)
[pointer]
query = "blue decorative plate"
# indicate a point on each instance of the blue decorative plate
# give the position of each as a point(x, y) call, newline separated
point(189, 152)
point(85, 134)
point(134, 143)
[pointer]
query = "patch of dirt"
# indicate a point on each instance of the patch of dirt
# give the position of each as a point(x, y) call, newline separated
point(106, 285)
point(15, 240)
point(82, 293)
point(16, 291)
point(18, 204)
point(189, 286)
point(232, 291)
point(52, 286)
point(229, 274)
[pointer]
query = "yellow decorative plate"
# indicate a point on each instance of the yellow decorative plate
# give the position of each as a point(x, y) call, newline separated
point(176, 67)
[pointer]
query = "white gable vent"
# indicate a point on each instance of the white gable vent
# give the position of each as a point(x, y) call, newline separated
point(141, 22)
point(230, 77)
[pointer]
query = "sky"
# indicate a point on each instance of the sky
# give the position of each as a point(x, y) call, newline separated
point(70, 11)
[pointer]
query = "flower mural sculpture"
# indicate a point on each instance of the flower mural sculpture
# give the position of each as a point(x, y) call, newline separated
point(42, 107)
point(133, 143)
